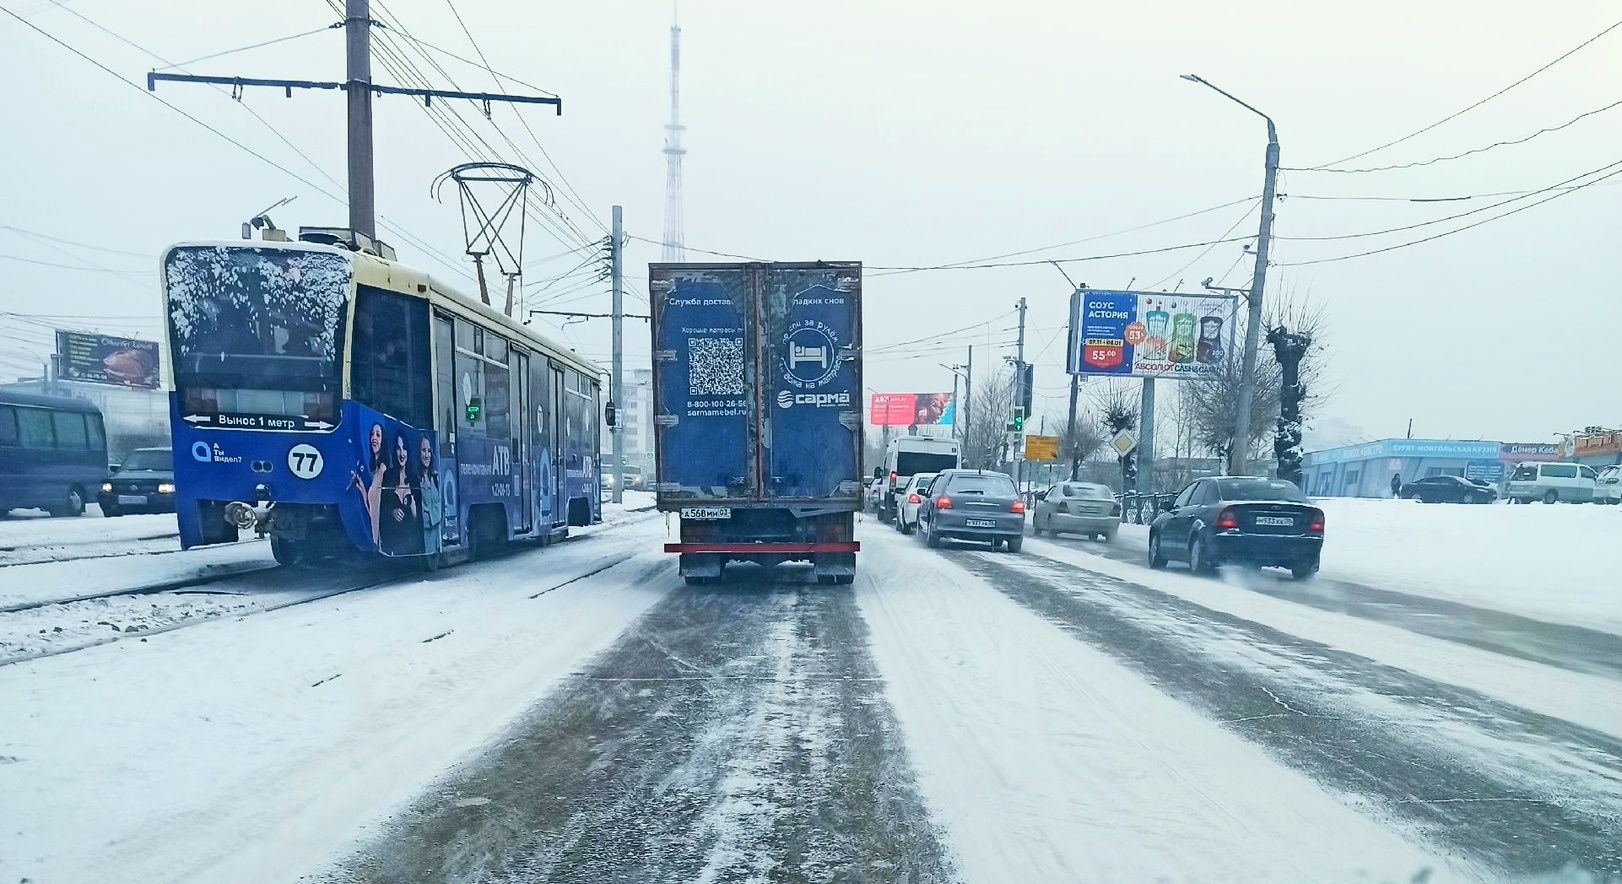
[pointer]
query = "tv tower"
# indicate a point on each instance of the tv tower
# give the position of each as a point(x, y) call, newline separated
point(675, 239)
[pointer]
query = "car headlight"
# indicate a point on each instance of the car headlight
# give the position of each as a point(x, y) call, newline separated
point(166, 488)
point(107, 487)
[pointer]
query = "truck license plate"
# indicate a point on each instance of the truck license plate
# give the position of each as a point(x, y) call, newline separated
point(700, 513)
point(981, 523)
point(1274, 520)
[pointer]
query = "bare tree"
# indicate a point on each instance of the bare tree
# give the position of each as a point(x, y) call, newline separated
point(986, 445)
point(1118, 411)
point(1211, 406)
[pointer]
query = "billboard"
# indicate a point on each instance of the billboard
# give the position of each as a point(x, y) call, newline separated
point(911, 409)
point(103, 359)
point(1150, 334)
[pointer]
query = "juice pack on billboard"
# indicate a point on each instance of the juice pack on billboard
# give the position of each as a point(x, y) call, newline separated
point(1182, 336)
point(1157, 319)
point(1209, 349)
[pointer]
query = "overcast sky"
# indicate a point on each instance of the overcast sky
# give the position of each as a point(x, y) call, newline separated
point(904, 133)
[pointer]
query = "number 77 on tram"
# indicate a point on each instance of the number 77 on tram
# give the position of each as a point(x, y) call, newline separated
point(341, 402)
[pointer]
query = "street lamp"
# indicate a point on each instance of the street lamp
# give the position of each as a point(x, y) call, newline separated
point(1238, 453)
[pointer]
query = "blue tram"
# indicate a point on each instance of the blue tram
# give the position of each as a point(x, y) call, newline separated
point(337, 400)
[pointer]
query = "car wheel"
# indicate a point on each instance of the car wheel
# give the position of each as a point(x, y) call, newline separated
point(1036, 527)
point(1551, 496)
point(1107, 537)
point(1014, 544)
point(1156, 560)
point(1199, 558)
point(1417, 498)
point(907, 527)
point(931, 539)
point(72, 505)
point(1304, 570)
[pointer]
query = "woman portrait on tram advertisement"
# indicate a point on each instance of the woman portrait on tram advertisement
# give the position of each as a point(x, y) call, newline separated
point(400, 518)
point(430, 499)
point(370, 484)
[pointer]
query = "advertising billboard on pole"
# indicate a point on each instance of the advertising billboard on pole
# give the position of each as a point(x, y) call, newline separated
point(911, 409)
point(1150, 334)
point(103, 359)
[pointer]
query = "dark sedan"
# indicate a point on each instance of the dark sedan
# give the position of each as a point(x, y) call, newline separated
point(973, 505)
point(1447, 489)
point(1239, 520)
point(143, 483)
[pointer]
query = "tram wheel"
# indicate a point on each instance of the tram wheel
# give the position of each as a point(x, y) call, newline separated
point(288, 553)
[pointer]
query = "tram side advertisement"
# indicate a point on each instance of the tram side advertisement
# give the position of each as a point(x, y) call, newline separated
point(1150, 334)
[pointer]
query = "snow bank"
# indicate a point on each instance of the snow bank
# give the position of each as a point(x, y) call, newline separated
point(256, 749)
point(1561, 563)
point(1046, 760)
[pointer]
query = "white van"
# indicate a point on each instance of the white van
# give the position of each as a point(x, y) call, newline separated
point(1551, 483)
point(908, 455)
point(1608, 487)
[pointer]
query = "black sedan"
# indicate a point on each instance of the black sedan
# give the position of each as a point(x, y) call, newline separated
point(1447, 489)
point(1241, 520)
point(143, 483)
point(975, 505)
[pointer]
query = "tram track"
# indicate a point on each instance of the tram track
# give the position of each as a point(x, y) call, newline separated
point(395, 574)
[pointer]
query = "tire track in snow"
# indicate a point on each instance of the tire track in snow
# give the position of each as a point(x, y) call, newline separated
point(737, 732)
point(1525, 794)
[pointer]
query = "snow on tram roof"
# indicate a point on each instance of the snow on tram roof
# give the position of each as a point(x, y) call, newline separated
point(404, 279)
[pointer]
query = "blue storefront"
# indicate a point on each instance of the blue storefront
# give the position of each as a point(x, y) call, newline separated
point(1365, 469)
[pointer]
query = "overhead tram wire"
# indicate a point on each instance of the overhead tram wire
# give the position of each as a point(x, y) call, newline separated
point(496, 78)
point(1567, 54)
point(386, 33)
point(1553, 196)
point(404, 234)
point(1475, 150)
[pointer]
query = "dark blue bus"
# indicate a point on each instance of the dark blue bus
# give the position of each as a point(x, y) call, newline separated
point(337, 400)
point(53, 453)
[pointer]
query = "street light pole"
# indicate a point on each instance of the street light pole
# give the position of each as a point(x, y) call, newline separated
point(1238, 453)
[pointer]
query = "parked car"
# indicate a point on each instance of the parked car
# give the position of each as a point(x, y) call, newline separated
point(1551, 483)
point(1077, 508)
point(977, 505)
point(1241, 520)
point(1608, 487)
point(1447, 489)
point(912, 498)
point(53, 453)
point(143, 483)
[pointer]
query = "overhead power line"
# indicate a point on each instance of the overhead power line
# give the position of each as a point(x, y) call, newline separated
point(1567, 54)
point(149, 256)
point(1553, 196)
point(1475, 150)
point(259, 45)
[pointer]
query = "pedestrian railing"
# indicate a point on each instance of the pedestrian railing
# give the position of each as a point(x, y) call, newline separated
point(1140, 508)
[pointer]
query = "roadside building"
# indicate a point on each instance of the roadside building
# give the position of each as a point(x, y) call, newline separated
point(1597, 447)
point(1365, 469)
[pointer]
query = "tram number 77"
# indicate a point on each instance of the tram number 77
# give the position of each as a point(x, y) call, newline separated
point(304, 461)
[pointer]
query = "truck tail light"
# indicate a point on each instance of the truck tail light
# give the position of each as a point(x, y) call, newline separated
point(943, 502)
point(914, 498)
point(1017, 506)
point(1315, 521)
point(1227, 519)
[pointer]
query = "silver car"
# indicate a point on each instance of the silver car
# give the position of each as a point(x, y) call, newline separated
point(1077, 508)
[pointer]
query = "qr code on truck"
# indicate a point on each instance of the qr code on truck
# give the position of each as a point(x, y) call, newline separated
point(715, 366)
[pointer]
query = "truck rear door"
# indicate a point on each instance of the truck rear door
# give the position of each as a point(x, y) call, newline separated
point(705, 348)
point(811, 374)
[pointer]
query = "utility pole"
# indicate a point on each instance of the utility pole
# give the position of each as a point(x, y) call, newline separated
point(968, 395)
point(360, 89)
point(617, 393)
point(1019, 388)
point(358, 82)
point(1070, 425)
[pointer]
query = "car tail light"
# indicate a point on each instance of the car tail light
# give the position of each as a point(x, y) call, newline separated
point(1228, 518)
point(943, 502)
point(914, 498)
point(1018, 506)
point(892, 478)
point(1315, 522)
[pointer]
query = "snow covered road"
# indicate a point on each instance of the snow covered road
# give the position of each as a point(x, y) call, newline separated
point(578, 714)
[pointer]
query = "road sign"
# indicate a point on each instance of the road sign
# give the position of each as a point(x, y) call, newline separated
point(1123, 442)
point(1041, 447)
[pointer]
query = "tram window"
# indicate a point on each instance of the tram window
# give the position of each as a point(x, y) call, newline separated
point(497, 394)
point(390, 370)
point(445, 377)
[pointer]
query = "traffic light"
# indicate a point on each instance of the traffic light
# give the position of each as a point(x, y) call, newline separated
point(1016, 424)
